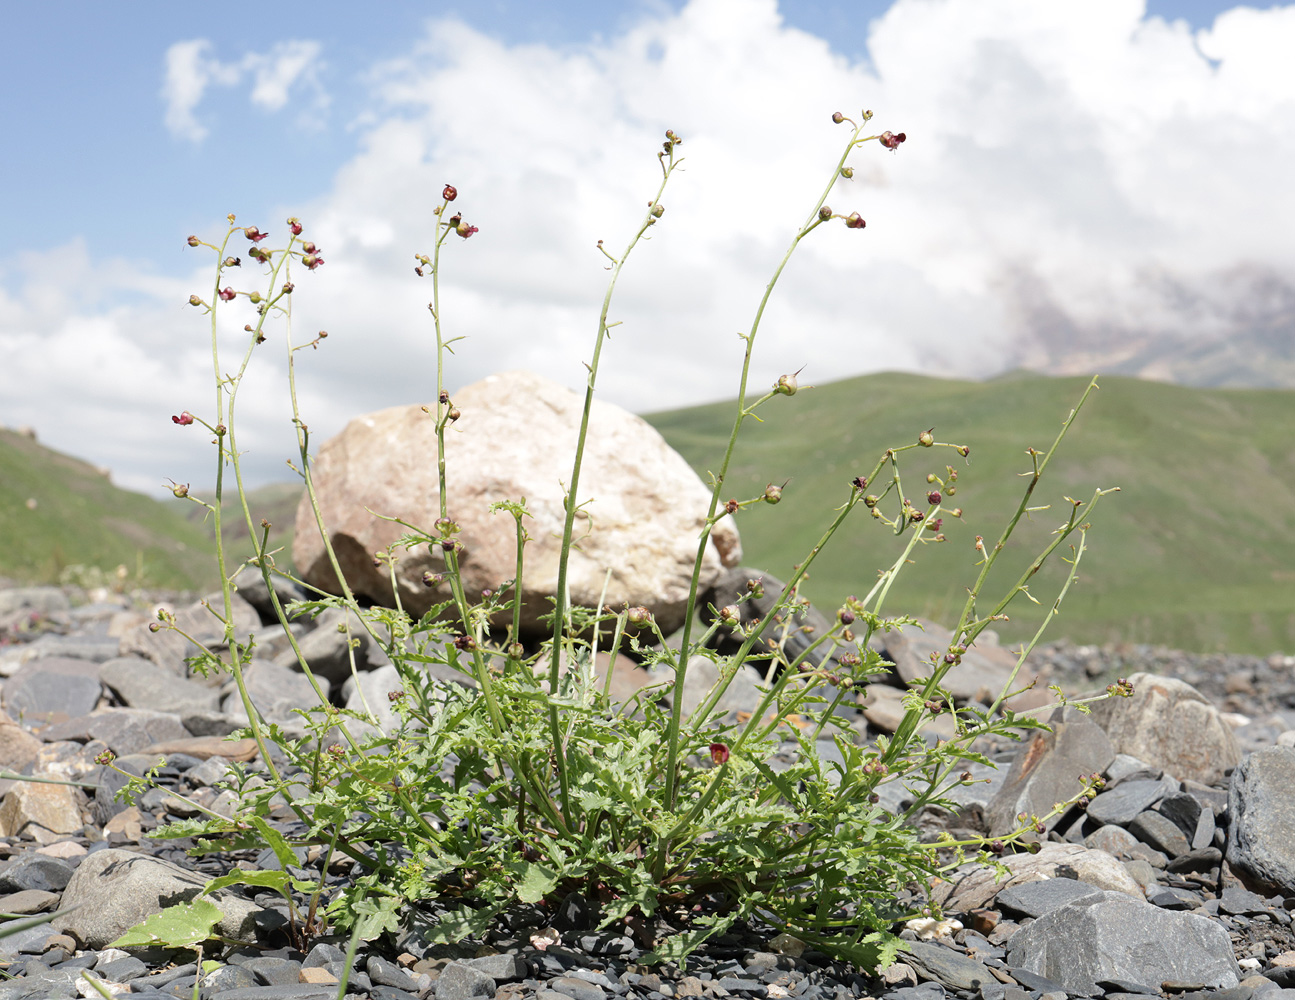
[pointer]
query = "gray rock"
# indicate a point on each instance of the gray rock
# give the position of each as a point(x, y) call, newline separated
point(1160, 832)
point(1121, 804)
point(386, 973)
point(1126, 767)
point(1033, 899)
point(945, 966)
point(274, 971)
point(277, 692)
point(35, 871)
point(462, 982)
point(742, 695)
point(1114, 840)
point(53, 689)
point(980, 676)
point(1111, 936)
point(141, 683)
point(1169, 724)
point(326, 651)
point(113, 890)
point(1203, 835)
point(43, 600)
point(1262, 811)
point(169, 648)
point(1236, 899)
point(1183, 808)
point(1045, 769)
point(122, 730)
point(500, 968)
point(568, 986)
point(251, 587)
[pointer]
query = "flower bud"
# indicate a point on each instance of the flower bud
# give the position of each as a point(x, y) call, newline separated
point(181, 490)
point(194, 300)
point(837, 117)
point(871, 500)
point(824, 213)
point(234, 261)
point(154, 626)
point(443, 396)
point(845, 616)
point(786, 385)
point(105, 758)
point(464, 642)
point(453, 414)
point(964, 450)
point(847, 172)
point(854, 221)
point(772, 493)
point(516, 650)
point(228, 294)
point(730, 615)
point(294, 226)
point(194, 241)
point(657, 210)
point(926, 438)
point(638, 616)
point(449, 192)
point(934, 497)
point(431, 579)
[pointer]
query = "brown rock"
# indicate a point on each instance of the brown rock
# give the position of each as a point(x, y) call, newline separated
point(316, 975)
point(44, 812)
point(18, 748)
point(642, 506)
point(1170, 725)
point(204, 747)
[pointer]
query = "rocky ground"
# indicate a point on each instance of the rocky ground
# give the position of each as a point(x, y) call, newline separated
point(1178, 879)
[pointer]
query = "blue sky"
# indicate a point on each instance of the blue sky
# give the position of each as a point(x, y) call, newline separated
point(1089, 160)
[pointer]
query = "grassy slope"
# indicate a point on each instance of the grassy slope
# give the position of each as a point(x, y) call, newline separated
point(276, 503)
point(80, 518)
point(1197, 551)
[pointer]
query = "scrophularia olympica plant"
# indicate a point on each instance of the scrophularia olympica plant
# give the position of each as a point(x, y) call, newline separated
point(476, 802)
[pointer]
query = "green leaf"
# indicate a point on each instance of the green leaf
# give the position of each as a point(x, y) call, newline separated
point(277, 881)
point(275, 841)
point(532, 882)
point(464, 922)
point(185, 925)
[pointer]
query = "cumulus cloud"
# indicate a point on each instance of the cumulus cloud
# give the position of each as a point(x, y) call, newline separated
point(1075, 193)
point(191, 70)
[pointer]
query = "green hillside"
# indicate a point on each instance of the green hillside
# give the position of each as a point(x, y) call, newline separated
point(1197, 551)
point(58, 512)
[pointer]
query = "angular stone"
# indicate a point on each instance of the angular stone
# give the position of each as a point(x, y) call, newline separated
point(946, 966)
point(1046, 768)
point(277, 692)
point(1111, 936)
point(1159, 832)
point(500, 968)
point(18, 748)
point(123, 730)
point(141, 683)
point(1169, 724)
point(1033, 899)
point(44, 812)
point(462, 982)
point(973, 886)
point(1262, 810)
point(113, 890)
point(53, 689)
point(328, 652)
point(35, 871)
point(516, 439)
point(1114, 840)
point(1183, 808)
point(1121, 804)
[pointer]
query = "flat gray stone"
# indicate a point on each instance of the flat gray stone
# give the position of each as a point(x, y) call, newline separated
point(123, 730)
point(462, 982)
point(946, 966)
point(1262, 810)
point(53, 689)
point(1033, 899)
point(1120, 805)
point(141, 683)
point(1112, 936)
point(1160, 832)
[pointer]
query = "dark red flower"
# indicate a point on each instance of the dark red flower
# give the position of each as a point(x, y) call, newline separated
point(228, 294)
point(854, 221)
point(184, 419)
point(719, 753)
point(464, 230)
point(891, 140)
point(254, 234)
point(449, 192)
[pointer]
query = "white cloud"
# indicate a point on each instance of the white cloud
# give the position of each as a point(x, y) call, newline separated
point(1072, 187)
point(191, 70)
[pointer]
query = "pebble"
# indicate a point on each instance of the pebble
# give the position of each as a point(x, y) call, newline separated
point(1214, 902)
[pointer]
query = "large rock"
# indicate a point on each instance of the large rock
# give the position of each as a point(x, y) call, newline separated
point(113, 890)
point(1169, 724)
point(1262, 813)
point(1046, 769)
point(643, 507)
point(1112, 936)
